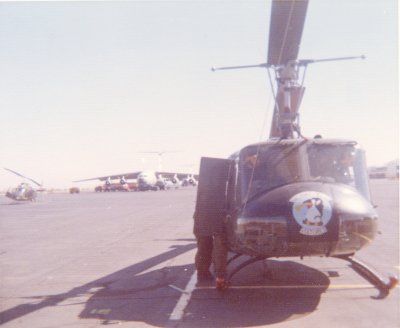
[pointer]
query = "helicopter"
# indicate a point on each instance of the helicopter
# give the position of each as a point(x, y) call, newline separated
point(24, 191)
point(291, 196)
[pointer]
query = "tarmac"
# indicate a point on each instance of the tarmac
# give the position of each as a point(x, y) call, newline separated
point(126, 259)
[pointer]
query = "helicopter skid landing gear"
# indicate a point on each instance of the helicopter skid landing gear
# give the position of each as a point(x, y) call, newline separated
point(243, 265)
point(384, 286)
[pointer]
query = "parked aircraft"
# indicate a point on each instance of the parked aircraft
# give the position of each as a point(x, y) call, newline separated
point(290, 195)
point(170, 183)
point(147, 180)
point(24, 191)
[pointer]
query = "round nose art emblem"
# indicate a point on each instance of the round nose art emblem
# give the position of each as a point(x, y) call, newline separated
point(312, 210)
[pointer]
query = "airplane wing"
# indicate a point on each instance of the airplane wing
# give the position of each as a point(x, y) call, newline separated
point(134, 175)
point(180, 176)
point(129, 175)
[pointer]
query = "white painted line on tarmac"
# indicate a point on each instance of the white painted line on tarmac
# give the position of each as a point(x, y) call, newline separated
point(183, 301)
point(178, 312)
point(177, 288)
point(297, 287)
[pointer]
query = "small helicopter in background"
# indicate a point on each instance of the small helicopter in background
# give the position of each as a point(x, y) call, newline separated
point(24, 191)
point(290, 196)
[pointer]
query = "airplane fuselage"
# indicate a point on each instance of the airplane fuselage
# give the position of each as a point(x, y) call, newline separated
point(148, 180)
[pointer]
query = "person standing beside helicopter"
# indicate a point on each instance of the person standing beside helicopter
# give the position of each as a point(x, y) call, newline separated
point(203, 257)
point(212, 247)
point(210, 218)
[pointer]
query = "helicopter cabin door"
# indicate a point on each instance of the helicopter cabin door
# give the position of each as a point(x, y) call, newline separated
point(211, 202)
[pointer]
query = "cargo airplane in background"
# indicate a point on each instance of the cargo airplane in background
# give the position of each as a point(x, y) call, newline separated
point(144, 180)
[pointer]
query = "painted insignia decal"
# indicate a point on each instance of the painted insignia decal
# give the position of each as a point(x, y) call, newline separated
point(312, 210)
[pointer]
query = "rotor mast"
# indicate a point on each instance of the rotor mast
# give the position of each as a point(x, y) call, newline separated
point(286, 29)
point(285, 121)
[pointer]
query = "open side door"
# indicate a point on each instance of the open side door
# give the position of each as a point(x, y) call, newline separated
point(211, 199)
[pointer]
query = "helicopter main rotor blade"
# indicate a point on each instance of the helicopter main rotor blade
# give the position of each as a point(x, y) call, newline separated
point(286, 29)
point(22, 176)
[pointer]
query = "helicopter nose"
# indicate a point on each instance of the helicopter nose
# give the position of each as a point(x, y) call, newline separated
point(357, 218)
point(307, 220)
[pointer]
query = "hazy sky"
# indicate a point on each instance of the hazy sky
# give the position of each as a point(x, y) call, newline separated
point(86, 86)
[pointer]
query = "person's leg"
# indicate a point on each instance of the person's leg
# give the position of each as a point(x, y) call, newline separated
point(220, 259)
point(203, 257)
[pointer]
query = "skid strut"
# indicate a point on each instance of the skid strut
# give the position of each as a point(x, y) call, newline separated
point(244, 264)
point(384, 285)
point(233, 258)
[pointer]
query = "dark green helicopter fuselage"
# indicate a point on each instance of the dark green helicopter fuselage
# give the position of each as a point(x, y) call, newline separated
point(293, 198)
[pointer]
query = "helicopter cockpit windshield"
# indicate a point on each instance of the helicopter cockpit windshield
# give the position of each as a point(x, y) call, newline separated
point(335, 163)
point(339, 163)
point(268, 166)
point(265, 167)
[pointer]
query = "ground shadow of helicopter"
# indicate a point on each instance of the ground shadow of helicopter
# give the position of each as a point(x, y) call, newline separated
point(293, 291)
point(100, 285)
point(147, 297)
point(135, 294)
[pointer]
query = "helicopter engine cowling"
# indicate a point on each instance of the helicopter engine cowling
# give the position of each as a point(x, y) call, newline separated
point(306, 218)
